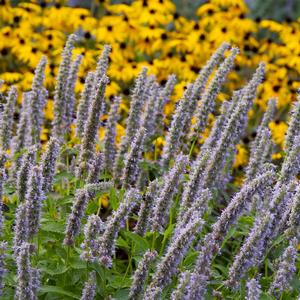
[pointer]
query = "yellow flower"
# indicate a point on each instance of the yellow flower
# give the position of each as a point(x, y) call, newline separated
point(278, 130)
point(49, 110)
point(241, 157)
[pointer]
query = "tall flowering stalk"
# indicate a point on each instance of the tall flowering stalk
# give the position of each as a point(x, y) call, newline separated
point(253, 290)
point(7, 119)
point(34, 200)
point(84, 103)
point(3, 248)
point(81, 199)
point(286, 269)
point(102, 65)
point(74, 219)
point(106, 242)
point(93, 228)
point(91, 128)
point(193, 186)
point(233, 130)
point(146, 208)
point(89, 290)
point(163, 98)
point(180, 292)
point(23, 173)
point(261, 146)
point(294, 217)
point(23, 138)
point(175, 131)
point(208, 98)
point(212, 241)
point(70, 93)
point(48, 163)
point(294, 125)
point(38, 97)
point(95, 168)
point(21, 228)
point(164, 200)
point(174, 254)
point(251, 251)
point(131, 168)
point(140, 275)
point(26, 281)
point(133, 121)
point(110, 135)
point(60, 96)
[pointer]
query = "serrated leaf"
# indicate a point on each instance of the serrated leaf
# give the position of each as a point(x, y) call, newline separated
point(138, 240)
point(54, 270)
point(53, 227)
point(57, 290)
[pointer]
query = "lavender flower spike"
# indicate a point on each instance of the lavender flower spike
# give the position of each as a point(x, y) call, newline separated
point(180, 292)
point(70, 93)
point(25, 288)
point(74, 219)
point(140, 275)
point(164, 201)
point(212, 241)
point(294, 217)
point(102, 64)
point(294, 125)
point(60, 96)
point(84, 103)
point(21, 228)
point(208, 98)
point(81, 199)
point(131, 169)
point(163, 97)
point(23, 138)
point(253, 290)
point(110, 135)
point(146, 209)
point(3, 248)
point(34, 200)
point(38, 100)
point(89, 290)
point(176, 130)
point(91, 128)
point(93, 228)
point(286, 269)
point(106, 243)
point(251, 251)
point(174, 254)
point(95, 169)
point(7, 118)
point(23, 174)
point(133, 121)
point(48, 163)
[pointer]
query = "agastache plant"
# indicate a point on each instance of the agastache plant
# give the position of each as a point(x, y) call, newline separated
point(34, 200)
point(60, 96)
point(130, 214)
point(253, 290)
point(110, 135)
point(6, 122)
point(140, 275)
point(48, 163)
point(286, 269)
point(90, 286)
point(106, 242)
point(38, 96)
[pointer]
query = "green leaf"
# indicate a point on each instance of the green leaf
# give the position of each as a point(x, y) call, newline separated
point(57, 290)
point(54, 270)
point(138, 240)
point(53, 227)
